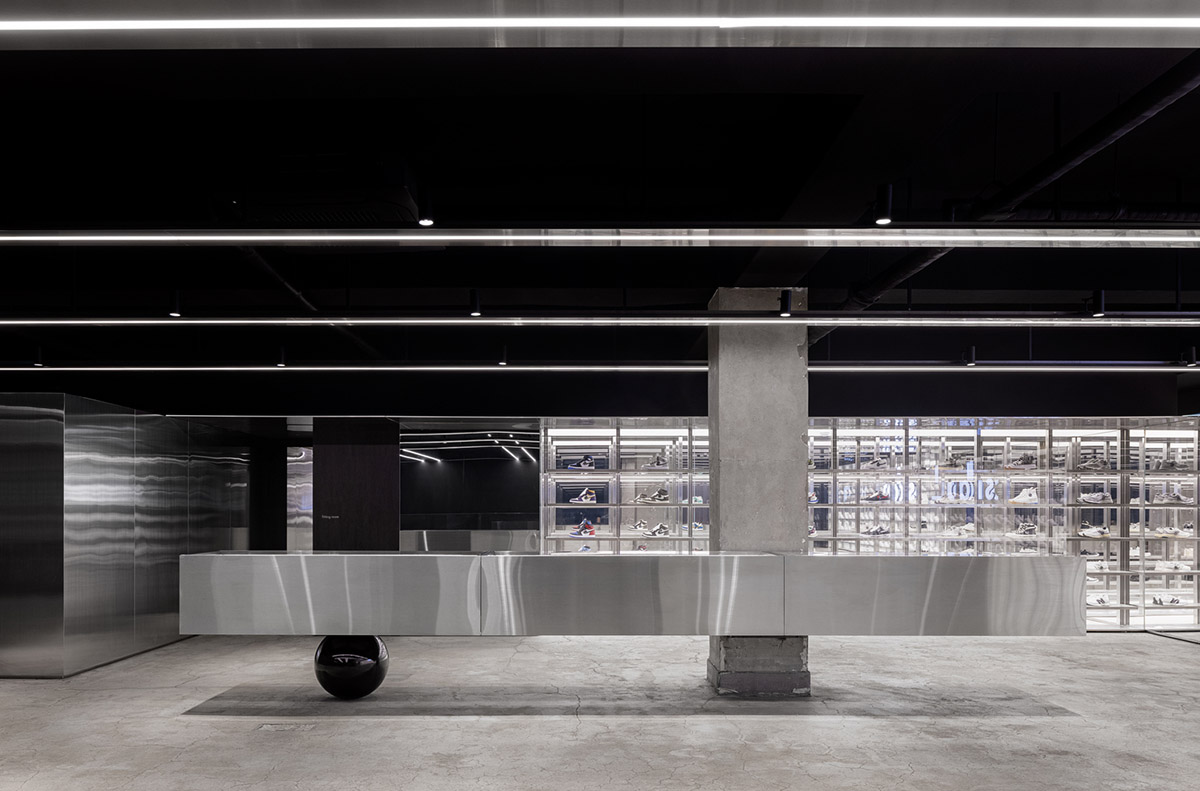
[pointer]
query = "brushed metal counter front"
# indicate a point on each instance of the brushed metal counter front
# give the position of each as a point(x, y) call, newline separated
point(753, 594)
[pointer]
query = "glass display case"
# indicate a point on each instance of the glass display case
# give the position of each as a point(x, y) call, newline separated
point(621, 485)
point(1119, 491)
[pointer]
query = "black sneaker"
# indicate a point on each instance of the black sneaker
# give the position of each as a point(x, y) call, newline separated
point(658, 530)
point(586, 463)
point(658, 498)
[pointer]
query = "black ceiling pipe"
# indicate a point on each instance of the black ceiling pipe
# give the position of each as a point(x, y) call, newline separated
point(1177, 82)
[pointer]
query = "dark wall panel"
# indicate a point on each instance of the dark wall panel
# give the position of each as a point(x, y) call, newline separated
point(31, 539)
point(469, 495)
point(356, 484)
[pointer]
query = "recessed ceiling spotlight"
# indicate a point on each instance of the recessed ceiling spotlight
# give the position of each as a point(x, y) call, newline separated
point(785, 303)
point(282, 358)
point(176, 311)
point(1098, 303)
point(1191, 360)
point(883, 205)
point(969, 357)
point(37, 359)
point(475, 311)
point(504, 360)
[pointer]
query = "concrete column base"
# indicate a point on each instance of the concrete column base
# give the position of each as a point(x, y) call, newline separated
point(759, 666)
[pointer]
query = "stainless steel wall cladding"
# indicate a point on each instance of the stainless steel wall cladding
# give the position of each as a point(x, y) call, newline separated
point(160, 526)
point(218, 505)
point(266, 593)
point(98, 534)
point(698, 594)
point(934, 596)
point(31, 560)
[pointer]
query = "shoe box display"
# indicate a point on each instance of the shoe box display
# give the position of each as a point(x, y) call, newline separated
point(1119, 491)
point(625, 485)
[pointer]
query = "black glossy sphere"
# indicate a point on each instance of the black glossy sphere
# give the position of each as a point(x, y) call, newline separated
point(350, 667)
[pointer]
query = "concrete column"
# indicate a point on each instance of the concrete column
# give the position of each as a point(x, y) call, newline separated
point(758, 458)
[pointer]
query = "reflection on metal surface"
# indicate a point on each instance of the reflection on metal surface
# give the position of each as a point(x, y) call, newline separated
point(98, 536)
point(754, 594)
point(849, 595)
point(299, 499)
point(515, 541)
point(698, 594)
point(160, 526)
point(31, 559)
point(321, 594)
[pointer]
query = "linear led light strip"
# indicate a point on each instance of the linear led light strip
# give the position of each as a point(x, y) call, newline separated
point(813, 237)
point(865, 321)
point(676, 369)
point(617, 22)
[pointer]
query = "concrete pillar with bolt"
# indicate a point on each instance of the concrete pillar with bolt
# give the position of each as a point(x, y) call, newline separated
point(758, 457)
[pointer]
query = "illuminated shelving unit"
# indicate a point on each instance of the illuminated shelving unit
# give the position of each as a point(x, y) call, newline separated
point(1121, 490)
point(647, 473)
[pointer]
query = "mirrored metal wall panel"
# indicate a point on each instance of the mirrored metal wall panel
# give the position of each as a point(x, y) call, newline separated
point(98, 534)
point(846, 595)
point(160, 526)
point(299, 499)
point(218, 481)
point(739, 594)
point(31, 561)
point(280, 593)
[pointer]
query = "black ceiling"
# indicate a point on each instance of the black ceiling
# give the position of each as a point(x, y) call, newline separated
point(575, 138)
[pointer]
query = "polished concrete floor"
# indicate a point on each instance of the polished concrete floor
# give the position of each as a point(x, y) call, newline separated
point(1100, 713)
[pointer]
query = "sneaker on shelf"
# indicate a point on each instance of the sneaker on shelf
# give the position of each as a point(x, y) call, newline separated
point(1135, 551)
point(878, 530)
point(1170, 464)
point(1092, 465)
point(1136, 501)
point(698, 500)
point(586, 463)
point(1027, 551)
point(812, 497)
point(1087, 553)
point(660, 463)
point(1097, 565)
point(587, 496)
point(1166, 600)
point(812, 465)
point(1173, 498)
point(1097, 600)
point(1026, 461)
point(952, 499)
point(875, 464)
point(1027, 496)
point(660, 529)
point(1023, 530)
point(1171, 565)
point(966, 553)
point(959, 530)
point(1188, 531)
point(696, 526)
point(1088, 530)
point(657, 498)
point(584, 528)
point(956, 461)
point(876, 496)
point(1095, 498)
point(1168, 532)
point(638, 525)
point(1091, 579)
point(585, 548)
point(643, 547)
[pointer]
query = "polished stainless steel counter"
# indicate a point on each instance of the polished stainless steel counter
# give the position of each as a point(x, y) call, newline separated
point(720, 593)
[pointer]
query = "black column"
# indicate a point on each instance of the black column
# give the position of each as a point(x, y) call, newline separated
point(356, 484)
point(268, 495)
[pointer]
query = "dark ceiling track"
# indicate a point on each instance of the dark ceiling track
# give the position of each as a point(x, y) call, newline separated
point(256, 258)
point(1174, 84)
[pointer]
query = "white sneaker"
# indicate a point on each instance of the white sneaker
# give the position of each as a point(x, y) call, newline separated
point(1091, 579)
point(1168, 532)
point(959, 530)
point(1097, 565)
point(1136, 501)
point(1171, 565)
point(1092, 531)
point(952, 499)
point(1092, 465)
point(1166, 600)
point(1097, 600)
point(1026, 461)
point(1023, 530)
point(1027, 551)
point(874, 464)
point(660, 463)
point(1095, 498)
point(1135, 552)
point(1173, 498)
point(878, 530)
point(587, 496)
point(1026, 497)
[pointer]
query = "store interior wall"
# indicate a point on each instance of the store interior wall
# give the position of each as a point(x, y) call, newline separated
point(100, 502)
